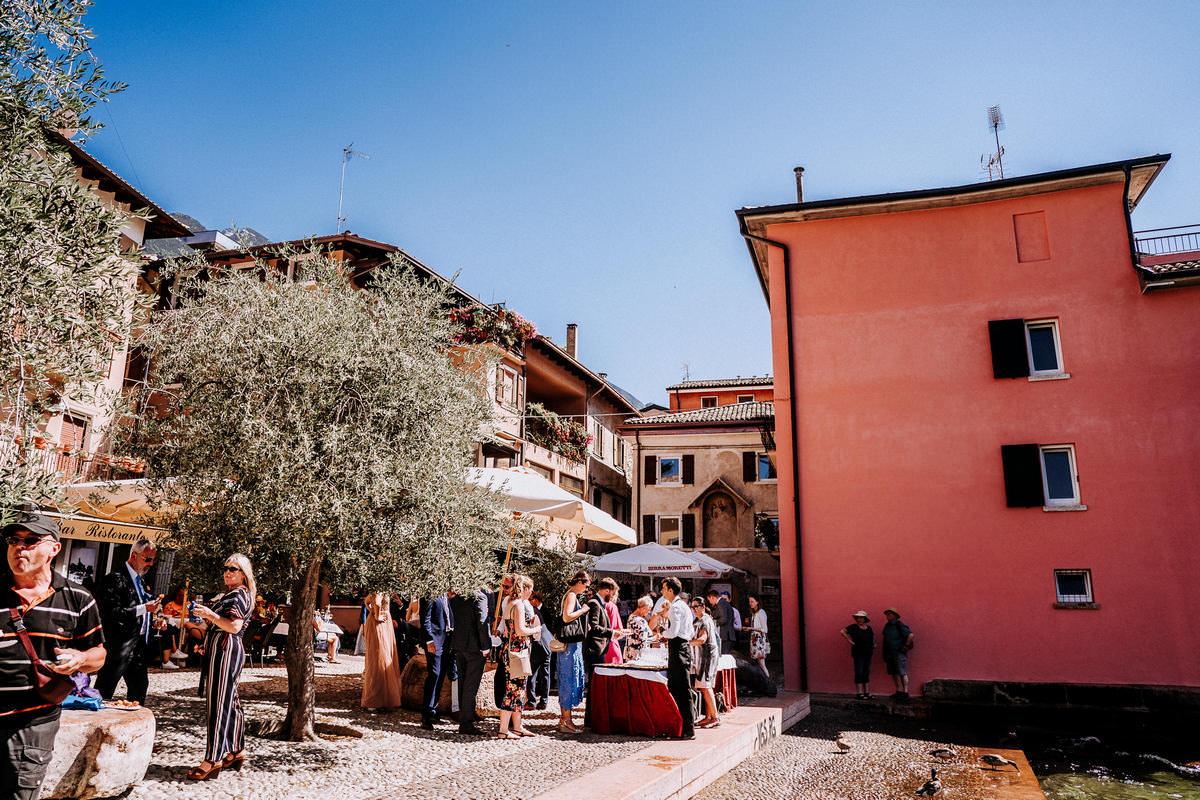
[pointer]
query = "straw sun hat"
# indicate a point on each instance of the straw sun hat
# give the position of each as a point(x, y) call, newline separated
point(862, 614)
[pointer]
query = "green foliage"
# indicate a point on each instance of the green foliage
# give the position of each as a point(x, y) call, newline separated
point(67, 294)
point(309, 420)
point(563, 436)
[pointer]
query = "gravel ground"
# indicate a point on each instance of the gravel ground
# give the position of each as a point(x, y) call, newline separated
point(888, 759)
point(393, 757)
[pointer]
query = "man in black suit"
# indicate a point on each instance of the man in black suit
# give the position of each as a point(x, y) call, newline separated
point(471, 643)
point(126, 611)
point(599, 634)
point(437, 623)
point(722, 614)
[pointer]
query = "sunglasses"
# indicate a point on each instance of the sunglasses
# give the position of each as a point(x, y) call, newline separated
point(26, 541)
point(229, 568)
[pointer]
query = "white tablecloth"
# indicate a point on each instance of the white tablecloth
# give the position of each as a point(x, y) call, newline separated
point(326, 627)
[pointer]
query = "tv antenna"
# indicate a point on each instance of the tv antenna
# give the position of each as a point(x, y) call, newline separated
point(994, 162)
point(348, 152)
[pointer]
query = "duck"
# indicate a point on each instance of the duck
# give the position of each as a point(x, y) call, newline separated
point(842, 745)
point(931, 786)
point(944, 753)
point(995, 761)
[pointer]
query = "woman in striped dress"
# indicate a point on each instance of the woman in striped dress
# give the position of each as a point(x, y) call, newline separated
point(224, 656)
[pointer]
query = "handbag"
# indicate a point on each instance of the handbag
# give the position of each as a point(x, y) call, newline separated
point(51, 686)
point(518, 664)
point(573, 631)
point(557, 645)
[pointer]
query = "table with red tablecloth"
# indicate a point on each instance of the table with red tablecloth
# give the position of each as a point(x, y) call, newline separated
point(633, 701)
point(726, 682)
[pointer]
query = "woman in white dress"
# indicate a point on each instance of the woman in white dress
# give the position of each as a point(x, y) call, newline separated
point(760, 646)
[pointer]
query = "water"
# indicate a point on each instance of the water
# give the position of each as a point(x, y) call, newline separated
point(1088, 769)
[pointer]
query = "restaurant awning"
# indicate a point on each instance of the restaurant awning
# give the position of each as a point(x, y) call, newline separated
point(109, 511)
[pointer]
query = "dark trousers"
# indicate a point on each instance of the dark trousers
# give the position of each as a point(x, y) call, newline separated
point(126, 660)
point(589, 663)
point(437, 667)
point(501, 684)
point(27, 749)
point(538, 686)
point(679, 681)
point(862, 668)
point(470, 673)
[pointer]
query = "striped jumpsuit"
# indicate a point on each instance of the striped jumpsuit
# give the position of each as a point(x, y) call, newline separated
point(224, 656)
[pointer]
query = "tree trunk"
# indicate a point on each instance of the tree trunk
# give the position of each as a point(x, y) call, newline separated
point(298, 725)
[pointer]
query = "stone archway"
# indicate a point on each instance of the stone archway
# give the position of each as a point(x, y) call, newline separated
point(720, 521)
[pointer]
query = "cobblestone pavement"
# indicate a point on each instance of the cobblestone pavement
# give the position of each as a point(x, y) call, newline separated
point(888, 759)
point(393, 757)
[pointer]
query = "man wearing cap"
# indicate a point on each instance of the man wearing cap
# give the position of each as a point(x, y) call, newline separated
point(128, 610)
point(897, 641)
point(862, 646)
point(63, 623)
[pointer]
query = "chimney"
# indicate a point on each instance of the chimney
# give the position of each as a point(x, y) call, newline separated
point(799, 183)
point(603, 376)
point(572, 339)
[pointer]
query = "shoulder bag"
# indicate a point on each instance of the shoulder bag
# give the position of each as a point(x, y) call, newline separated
point(573, 631)
point(51, 686)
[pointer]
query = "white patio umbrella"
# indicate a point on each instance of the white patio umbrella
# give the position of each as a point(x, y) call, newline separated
point(713, 568)
point(649, 559)
point(528, 493)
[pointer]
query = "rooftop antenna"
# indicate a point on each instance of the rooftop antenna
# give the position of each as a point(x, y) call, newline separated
point(348, 152)
point(994, 162)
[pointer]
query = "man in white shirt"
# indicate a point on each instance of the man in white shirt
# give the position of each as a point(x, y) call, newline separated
point(679, 631)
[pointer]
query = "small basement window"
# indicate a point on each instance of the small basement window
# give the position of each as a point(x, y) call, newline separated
point(1073, 587)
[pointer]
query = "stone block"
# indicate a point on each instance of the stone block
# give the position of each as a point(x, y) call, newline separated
point(485, 703)
point(412, 686)
point(954, 691)
point(99, 753)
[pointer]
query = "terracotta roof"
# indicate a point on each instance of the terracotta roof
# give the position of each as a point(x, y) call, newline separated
point(1173, 267)
point(715, 383)
point(734, 412)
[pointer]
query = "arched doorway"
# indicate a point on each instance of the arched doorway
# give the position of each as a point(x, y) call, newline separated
point(720, 521)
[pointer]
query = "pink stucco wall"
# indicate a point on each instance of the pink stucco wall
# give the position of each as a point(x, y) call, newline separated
point(900, 425)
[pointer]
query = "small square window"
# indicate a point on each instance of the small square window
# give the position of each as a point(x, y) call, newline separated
point(1072, 586)
point(670, 469)
point(1043, 347)
point(745, 398)
point(708, 401)
point(668, 531)
point(1059, 477)
point(766, 467)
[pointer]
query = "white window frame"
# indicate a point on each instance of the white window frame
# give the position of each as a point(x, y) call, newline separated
point(658, 529)
point(757, 468)
point(1074, 600)
point(658, 467)
point(1035, 374)
point(745, 398)
point(1059, 502)
point(716, 401)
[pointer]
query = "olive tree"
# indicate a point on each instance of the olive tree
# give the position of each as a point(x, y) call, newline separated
point(67, 293)
point(325, 432)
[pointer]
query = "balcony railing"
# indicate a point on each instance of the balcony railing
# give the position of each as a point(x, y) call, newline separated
point(75, 466)
point(1168, 241)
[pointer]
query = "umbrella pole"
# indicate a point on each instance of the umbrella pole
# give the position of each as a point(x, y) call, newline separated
point(512, 535)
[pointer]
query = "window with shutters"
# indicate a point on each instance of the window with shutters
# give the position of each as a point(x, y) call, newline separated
point(708, 401)
point(1024, 348)
point(506, 387)
point(670, 469)
point(571, 484)
point(669, 531)
point(1041, 475)
point(1073, 587)
point(598, 438)
point(618, 452)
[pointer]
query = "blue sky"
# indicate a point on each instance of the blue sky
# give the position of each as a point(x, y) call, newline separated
point(582, 162)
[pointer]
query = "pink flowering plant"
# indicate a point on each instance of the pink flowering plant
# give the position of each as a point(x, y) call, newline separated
point(565, 437)
point(482, 324)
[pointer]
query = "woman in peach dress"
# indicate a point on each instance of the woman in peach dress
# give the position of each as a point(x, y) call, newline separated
point(381, 669)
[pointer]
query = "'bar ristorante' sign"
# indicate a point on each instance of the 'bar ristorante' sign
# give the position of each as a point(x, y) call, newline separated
point(103, 530)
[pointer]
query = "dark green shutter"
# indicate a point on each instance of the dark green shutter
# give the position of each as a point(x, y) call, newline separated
point(1022, 475)
point(650, 473)
point(649, 528)
point(689, 531)
point(689, 470)
point(749, 467)
point(1009, 356)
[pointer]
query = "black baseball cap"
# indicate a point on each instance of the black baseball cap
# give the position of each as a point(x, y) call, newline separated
point(38, 524)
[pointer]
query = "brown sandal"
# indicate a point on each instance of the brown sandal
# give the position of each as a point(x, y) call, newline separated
point(234, 761)
point(202, 774)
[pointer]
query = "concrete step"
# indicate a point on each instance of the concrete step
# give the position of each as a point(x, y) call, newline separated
point(672, 769)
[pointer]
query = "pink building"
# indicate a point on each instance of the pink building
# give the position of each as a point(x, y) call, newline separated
point(986, 414)
point(692, 395)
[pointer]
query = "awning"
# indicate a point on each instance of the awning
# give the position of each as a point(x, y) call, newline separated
point(110, 511)
point(76, 526)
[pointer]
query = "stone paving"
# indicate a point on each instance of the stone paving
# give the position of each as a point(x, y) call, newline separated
point(888, 759)
point(393, 758)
